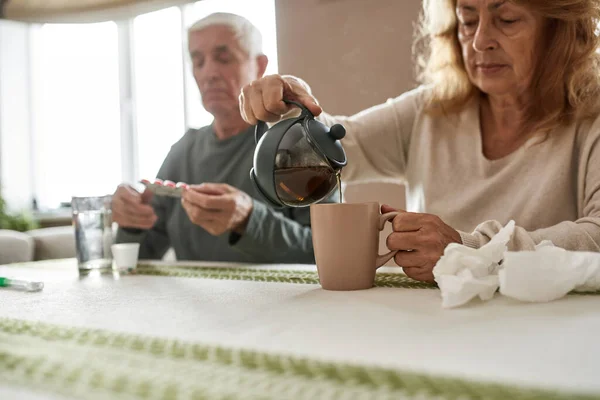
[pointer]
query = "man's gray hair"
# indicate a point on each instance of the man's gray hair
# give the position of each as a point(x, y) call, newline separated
point(247, 34)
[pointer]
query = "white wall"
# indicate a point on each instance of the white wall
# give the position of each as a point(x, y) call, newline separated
point(15, 166)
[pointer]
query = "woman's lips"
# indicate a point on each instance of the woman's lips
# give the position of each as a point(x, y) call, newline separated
point(490, 68)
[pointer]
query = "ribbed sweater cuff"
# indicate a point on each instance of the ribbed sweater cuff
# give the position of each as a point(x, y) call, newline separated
point(469, 240)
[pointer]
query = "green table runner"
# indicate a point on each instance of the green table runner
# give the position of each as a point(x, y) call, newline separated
point(392, 280)
point(270, 275)
point(94, 364)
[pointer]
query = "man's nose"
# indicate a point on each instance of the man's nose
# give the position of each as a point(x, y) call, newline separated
point(210, 71)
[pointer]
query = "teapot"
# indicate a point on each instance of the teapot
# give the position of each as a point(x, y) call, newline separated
point(298, 161)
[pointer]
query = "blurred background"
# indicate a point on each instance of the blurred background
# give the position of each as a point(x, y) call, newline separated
point(92, 96)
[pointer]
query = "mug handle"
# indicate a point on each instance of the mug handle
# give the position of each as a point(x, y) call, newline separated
point(383, 258)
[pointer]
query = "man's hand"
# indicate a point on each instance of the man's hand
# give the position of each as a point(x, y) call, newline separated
point(421, 240)
point(130, 209)
point(217, 207)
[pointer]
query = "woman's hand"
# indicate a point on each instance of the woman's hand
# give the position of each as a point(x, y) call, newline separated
point(263, 99)
point(421, 240)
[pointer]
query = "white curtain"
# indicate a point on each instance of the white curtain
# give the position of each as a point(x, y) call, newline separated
point(79, 11)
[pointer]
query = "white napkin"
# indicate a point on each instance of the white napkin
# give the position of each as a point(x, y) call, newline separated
point(464, 273)
point(548, 273)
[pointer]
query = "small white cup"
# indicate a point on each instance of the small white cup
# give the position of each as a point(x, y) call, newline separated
point(125, 255)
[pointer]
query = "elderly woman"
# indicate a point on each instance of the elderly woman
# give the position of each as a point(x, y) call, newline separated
point(505, 126)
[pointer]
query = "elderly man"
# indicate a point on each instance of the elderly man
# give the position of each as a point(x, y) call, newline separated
point(221, 216)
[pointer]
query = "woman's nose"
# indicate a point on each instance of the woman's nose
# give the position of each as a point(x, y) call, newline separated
point(485, 36)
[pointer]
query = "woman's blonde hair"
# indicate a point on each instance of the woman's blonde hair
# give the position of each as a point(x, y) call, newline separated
point(567, 82)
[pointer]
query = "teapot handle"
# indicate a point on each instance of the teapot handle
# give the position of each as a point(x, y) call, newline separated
point(305, 111)
point(261, 126)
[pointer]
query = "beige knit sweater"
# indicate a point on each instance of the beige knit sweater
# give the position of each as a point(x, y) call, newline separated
point(550, 186)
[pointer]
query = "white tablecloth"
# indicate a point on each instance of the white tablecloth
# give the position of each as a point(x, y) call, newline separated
point(551, 346)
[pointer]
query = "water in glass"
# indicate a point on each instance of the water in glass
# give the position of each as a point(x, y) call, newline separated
point(92, 218)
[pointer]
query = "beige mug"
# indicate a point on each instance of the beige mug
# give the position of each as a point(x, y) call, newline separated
point(346, 243)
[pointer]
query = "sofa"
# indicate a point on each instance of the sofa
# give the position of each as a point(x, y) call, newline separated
point(15, 247)
point(43, 244)
point(37, 244)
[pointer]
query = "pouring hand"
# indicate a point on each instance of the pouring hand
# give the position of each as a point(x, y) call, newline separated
point(421, 240)
point(217, 207)
point(263, 99)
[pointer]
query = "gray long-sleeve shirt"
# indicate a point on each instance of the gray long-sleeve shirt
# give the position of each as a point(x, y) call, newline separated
point(271, 236)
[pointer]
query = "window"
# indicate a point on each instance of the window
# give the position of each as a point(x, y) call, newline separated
point(76, 126)
point(15, 143)
point(158, 87)
point(107, 100)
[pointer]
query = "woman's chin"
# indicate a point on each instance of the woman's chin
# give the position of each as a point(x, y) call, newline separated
point(496, 88)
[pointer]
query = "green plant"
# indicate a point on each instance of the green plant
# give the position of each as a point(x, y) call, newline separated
point(21, 221)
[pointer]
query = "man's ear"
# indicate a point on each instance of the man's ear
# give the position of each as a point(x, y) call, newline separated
point(261, 61)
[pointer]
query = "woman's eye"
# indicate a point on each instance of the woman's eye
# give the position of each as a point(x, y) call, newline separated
point(469, 27)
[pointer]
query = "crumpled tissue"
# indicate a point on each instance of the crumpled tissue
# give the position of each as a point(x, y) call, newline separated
point(545, 274)
point(548, 273)
point(464, 273)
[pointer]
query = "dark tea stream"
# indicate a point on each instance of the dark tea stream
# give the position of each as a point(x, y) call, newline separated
point(338, 176)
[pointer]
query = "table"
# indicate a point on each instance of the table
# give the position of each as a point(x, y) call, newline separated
point(212, 330)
